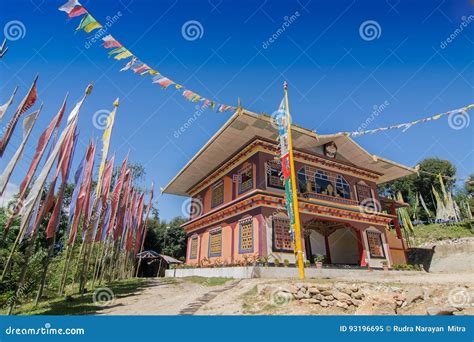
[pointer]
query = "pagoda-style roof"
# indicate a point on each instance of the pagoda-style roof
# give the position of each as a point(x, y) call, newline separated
point(244, 126)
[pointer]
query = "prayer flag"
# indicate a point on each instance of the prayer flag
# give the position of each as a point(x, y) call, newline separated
point(28, 124)
point(4, 107)
point(110, 42)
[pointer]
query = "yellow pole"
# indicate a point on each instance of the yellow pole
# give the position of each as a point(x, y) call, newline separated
point(297, 227)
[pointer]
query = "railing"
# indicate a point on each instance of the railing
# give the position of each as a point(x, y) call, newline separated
point(329, 198)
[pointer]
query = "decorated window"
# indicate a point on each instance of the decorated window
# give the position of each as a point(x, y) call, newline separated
point(343, 188)
point(194, 247)
point(323, 183)
point(215, 242)
point(282, 240)
point(274, 179)
point(375, 245)
point(246, 179)
point(246, 235)
point(363, 192)
point(217, 195)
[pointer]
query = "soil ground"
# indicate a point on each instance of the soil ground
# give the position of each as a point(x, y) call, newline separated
point(221, 296)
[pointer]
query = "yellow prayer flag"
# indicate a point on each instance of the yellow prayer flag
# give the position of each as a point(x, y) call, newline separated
point(123, 55)
point(92, 26)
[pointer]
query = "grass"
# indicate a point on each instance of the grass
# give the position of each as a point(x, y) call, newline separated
point(207, 281)
point(436, 232)
point(80, 305)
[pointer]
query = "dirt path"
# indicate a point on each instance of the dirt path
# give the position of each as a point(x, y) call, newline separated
point(181, 296)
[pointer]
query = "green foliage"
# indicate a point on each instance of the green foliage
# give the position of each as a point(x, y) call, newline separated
point(166, 237)
point(422, 183)
point(435, 232)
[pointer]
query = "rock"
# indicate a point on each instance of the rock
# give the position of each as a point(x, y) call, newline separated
point(341, 296)
point(342, 305)
point(289, 289)
point(300, 295)
point(329, 298)
point(379, 305)
point(303, 289)
point(441, 311)
point(344, 289)
point(324, 304)
point(356, 302)
point(326, 293)
point(324, 287)
point(414, 294)
point(318, 297)
point(357, 295)
point(309, 301)
point(313, 290)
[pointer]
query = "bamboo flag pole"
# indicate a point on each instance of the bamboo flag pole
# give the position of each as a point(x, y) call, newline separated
point(297, 227)
point(90, 244)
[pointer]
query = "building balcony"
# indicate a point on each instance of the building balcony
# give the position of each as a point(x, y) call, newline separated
point(341, 200)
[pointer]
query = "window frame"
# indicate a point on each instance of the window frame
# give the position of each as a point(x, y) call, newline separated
point(244, 169)
point(268, 168)
point(371, 232)
point(274, 248)
point(214, 231)
point(213, 188)
point(193, 238)
point(241, 223)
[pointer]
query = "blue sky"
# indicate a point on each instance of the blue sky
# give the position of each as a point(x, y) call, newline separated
point(335, 76)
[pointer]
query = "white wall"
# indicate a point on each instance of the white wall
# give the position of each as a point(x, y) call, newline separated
point(318, 246)
point(343, 247)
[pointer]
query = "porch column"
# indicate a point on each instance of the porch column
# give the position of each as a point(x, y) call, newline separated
point(362, 252)
point(328, 252)
point(396, 223)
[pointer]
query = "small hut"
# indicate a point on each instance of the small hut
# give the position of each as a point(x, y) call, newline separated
point(153, 264)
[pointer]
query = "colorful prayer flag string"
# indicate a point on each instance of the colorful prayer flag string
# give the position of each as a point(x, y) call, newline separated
point(88, 23)
point(407, 125)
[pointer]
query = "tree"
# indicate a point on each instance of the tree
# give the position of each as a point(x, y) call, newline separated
point(423, 182)
point(166, 237)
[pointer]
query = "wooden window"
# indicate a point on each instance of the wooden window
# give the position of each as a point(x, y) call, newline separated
point(246, 179)
point(217, 194)
point(215, 242)
point(194, 247)
point(363, 192)
point(343, 188)
point(274, 178)
point(323, 184)
point(282, 239)
point(375, 245)
point(246, 235)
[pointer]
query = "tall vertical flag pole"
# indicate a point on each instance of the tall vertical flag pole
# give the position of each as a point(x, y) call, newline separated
point(296, 226)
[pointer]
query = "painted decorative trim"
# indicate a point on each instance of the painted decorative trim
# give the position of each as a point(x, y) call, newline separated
point(263, 145)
